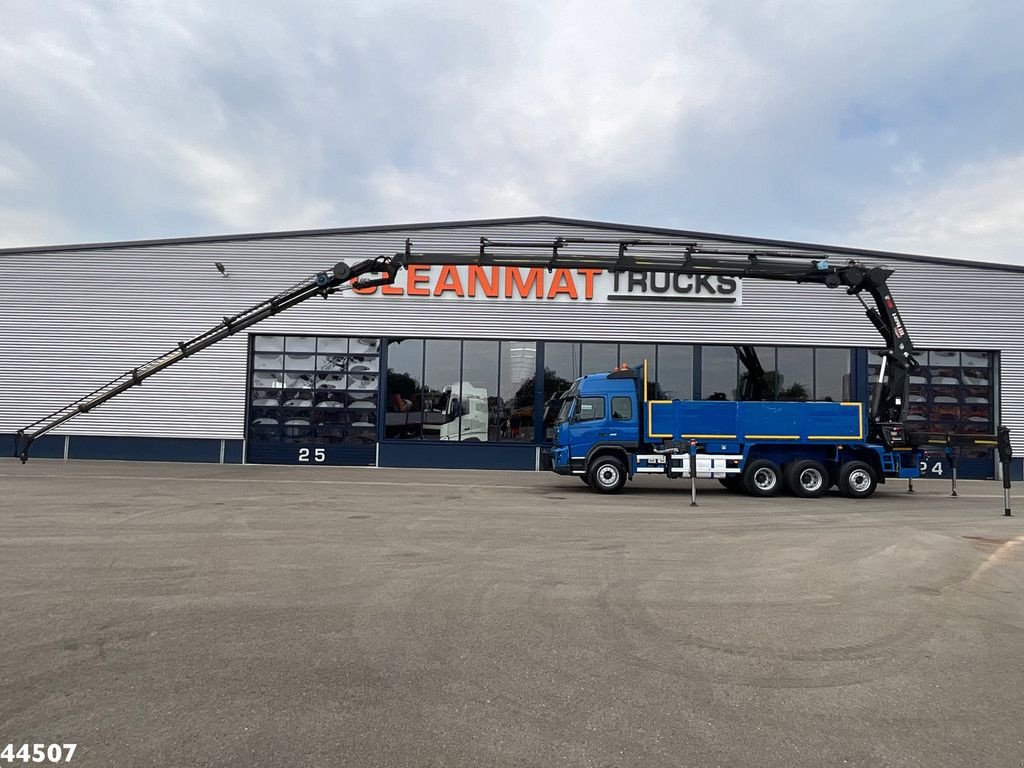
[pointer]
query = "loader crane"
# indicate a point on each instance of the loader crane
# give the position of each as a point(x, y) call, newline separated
point(886, 414)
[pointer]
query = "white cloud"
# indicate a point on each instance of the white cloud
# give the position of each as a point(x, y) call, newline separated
point(148, 119)
point(976, 212)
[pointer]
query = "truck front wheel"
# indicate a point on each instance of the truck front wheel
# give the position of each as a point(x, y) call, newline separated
point(762, 478)
point(607, 475)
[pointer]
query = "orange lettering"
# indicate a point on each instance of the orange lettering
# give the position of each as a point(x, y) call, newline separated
point(535, 280)
point(416, 276)
point(588, 285)
point(561, 284)
point(364, 291)
point(449, 281)
point(392, 290)
point(477, 276)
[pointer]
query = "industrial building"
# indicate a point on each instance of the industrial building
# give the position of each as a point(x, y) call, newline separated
point(451, 366)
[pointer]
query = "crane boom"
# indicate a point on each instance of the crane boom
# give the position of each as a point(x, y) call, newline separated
point(341, 277)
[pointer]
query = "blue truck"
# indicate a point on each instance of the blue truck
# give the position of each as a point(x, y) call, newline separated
point(607, 431)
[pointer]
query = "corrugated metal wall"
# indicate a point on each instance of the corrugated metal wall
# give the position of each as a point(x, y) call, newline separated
point(70, 320)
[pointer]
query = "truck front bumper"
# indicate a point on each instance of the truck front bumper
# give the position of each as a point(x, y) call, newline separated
point(555, 460)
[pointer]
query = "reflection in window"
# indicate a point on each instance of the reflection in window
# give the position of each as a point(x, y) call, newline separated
point(674, 375)
point(442, 389)
point(796, 373)
point(404, 417)
point(268, 344)
point(951, 392)
point(561, 369)
point(832, 374)
point(600, 358)
point(480, 405)
point(634, 355)
point(718, 376)
point(518, 390)
point(758, 373)
point(315, 392)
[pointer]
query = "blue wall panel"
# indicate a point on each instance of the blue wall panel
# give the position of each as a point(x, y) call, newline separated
point(233, 451)
point(457, 455)
point(46, 447)
point(144, 448)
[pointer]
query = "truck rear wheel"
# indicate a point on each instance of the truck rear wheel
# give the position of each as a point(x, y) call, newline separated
point(607, 475)
point(857, 479)
point(762, 478)
point(807, 479)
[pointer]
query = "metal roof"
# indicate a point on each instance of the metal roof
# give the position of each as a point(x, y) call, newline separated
point(633, 229)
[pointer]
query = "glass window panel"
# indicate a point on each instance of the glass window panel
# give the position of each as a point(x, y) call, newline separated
point(267, 380)
point(600, 358)
point(265, 361)
point(561, 369)
point(363, 381)
point(298, 380)
point(480, 398)
point(404, 411)
point(331, 381)
point(332, 345)
point(795, 378)
point(331, 362)
point(765, 389)
point(591, 409)
point(299, 399)
point(441, 389)
point(364, 346)
point(832, 375)
point(363, 364)
point(266, 397)
point(268, 343)
point(718, 377)
point(941, 357)
point(622, 408)
point(299, 362)
point(518, 389)
point(674, 374)
point(300, 344)
point(330, 399)
point(634, 355)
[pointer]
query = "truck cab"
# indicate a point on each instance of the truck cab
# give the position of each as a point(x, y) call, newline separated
point(598, 416)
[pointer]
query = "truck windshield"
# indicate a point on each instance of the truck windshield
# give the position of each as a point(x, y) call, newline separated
point(563, 412)
point(567, 401)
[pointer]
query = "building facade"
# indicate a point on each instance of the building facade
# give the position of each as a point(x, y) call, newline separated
point(451, 367)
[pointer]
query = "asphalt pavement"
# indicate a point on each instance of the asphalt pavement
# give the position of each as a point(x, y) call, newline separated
point(180, 615)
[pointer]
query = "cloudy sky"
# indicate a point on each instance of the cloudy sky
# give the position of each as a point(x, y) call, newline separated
point(896, 125)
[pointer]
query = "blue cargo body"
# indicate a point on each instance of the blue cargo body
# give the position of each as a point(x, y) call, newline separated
point(763, 421)
point(607, 432)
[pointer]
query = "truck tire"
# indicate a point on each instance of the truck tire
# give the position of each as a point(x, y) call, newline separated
point(607, 475)
point(807, 478)
point(857, 479)
point(762, 478)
